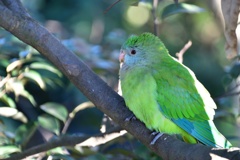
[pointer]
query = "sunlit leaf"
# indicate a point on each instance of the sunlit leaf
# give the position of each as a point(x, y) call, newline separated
point(25, 132)
point(13, 65)
point(5, 150)
point(13, 113)
point(8, 101)
point(45, 66)
point(50, 123)
point(4, 140)
point(55, 109)
point(36, 77)
point(7, 111)
point(18, 88)
point(15, 85)
point(58, 150)
point(180, 8)
point(145, 3)
point(28, 96)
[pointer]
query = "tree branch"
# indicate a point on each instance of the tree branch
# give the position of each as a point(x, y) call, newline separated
point(183, 50)
point(97, 91)
point(106, 137)
point(110, 7)
point(16, 6)
point(67, 140)
point(57, 142)
point(155, 18)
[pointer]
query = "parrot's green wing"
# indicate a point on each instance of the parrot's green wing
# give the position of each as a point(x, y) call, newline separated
point(182, 95)
point(184, 100)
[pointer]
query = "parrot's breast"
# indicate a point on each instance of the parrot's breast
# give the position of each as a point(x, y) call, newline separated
point(139, 92)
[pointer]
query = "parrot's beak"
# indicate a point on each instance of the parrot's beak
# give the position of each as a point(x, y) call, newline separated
point(121, 56)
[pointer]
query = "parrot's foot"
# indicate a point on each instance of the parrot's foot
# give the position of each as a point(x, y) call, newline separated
point(131, 117)
point(154, 133)
point(157, 136)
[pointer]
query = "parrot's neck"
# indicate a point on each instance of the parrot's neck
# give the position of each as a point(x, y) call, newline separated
point(126, 69)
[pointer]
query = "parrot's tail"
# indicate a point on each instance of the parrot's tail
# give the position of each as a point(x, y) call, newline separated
point(205, 132)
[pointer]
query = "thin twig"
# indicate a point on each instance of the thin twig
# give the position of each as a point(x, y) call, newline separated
point(155, 18)
point(110, 7)
point(66, 125)
point(71, 115)
point(227, 95)
point(183, 50)
point(96, 141)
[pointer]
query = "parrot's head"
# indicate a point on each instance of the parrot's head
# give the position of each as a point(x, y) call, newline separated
point(142, 50)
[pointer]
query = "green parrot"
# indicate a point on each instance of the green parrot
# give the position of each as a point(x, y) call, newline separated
point(164, 94)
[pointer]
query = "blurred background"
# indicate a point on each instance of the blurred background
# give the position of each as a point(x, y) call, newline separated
point(38, 103)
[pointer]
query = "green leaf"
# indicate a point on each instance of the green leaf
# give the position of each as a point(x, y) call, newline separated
point(50, 123)
point(58, 150)
point(6, 150)
point(7, 111)
point(61, 156)
point(98, 156)
point(227, 80)
point(180, 8)
point(55, 109)
point(17, 87)
point(8, 101)
point(4, 139)
point(53, 82)
point(24, 133)
point(28, 96)
point(13, 113)
point(14, 65)
point(34, 76)
point(45, 66)
point(4, 62)
point(235, 70)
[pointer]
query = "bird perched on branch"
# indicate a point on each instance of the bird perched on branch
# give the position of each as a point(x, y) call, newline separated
point(164, 94)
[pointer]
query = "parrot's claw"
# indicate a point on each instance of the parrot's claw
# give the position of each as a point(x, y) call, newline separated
point(157, 136)
point(154, 133)
point(131, 117)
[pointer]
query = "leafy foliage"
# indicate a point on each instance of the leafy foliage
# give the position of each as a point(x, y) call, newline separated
point(180, 8)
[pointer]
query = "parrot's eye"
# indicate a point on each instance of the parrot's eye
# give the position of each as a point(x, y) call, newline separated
point(133, 52)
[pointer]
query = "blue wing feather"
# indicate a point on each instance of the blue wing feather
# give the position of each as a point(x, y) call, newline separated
point(201, 129)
